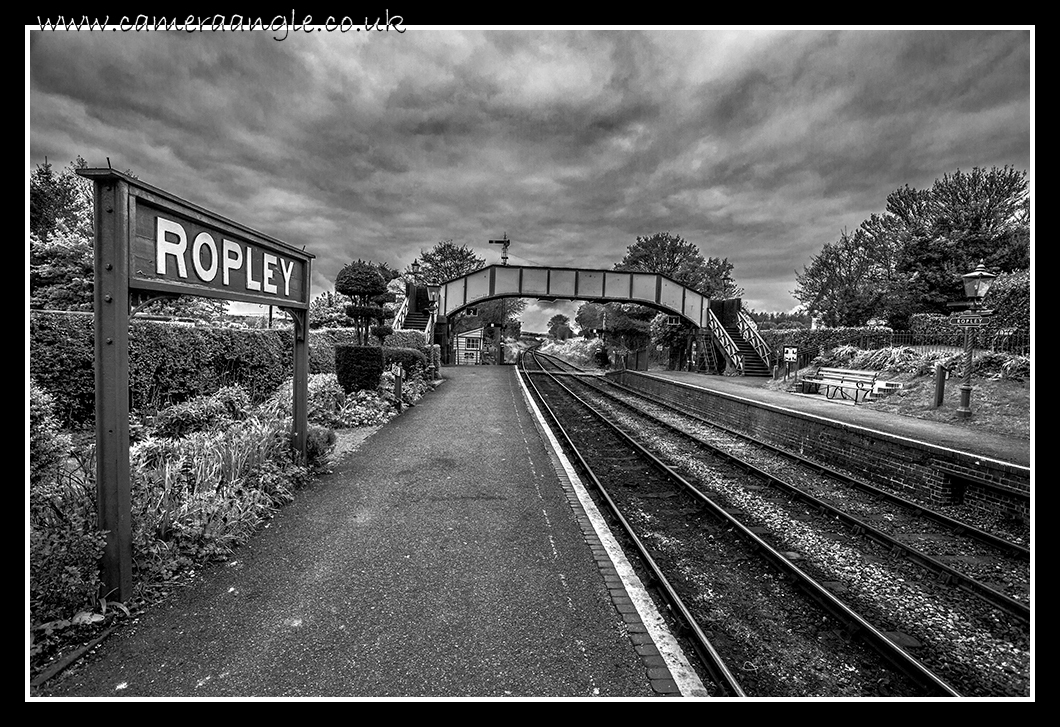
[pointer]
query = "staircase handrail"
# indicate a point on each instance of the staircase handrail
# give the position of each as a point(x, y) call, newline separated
point(434, 297)
point(428, 331)
point(749, 330)
point(399, 317)
point(728, 346)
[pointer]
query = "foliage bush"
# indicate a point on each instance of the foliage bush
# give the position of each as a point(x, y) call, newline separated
point(358, 367)
point(1010, 299)
point(47, 445)
point(195, 498)
point(930, 323)
point(579, 351)
point(320, 441)
point(412, 360)
point(65, 544)
point(326, 400)
point(196, 415)
point(901, 360)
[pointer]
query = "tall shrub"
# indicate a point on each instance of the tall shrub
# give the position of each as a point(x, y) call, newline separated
point(358, 367)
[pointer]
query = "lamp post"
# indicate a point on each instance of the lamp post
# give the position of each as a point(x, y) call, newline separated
point(976, 283)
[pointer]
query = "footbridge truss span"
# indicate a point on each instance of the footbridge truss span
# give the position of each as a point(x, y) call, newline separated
point(601, 286)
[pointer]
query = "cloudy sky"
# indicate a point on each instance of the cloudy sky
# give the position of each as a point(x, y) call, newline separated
point(758, 145)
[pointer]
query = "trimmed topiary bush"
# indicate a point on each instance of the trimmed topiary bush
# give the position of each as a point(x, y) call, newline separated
point(358, 367)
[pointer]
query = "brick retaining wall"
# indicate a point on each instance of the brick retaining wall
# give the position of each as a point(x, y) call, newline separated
point(902, 466)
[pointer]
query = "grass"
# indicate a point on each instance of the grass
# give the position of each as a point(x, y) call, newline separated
point(999, 405)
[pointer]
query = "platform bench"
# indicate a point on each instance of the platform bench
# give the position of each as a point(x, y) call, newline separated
point(845, 383)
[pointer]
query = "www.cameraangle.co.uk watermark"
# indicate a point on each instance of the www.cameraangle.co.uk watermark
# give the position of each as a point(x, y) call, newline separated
point(278, 24)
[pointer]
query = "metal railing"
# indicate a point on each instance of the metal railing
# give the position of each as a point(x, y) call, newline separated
point(428, 331)
point(399, 317)
point(1003, 341)
point(749, 331)
point(728, 346)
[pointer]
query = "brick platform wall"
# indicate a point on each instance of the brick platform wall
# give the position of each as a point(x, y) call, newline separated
point(902, 466)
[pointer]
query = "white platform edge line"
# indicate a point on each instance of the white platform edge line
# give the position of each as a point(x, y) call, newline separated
point(684, 675)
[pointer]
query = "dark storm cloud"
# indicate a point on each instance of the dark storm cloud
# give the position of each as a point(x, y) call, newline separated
point(758, 146)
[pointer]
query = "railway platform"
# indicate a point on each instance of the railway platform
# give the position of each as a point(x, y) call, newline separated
point(449, 556)
point(976, 442)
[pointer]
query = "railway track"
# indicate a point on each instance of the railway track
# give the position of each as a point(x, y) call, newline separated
point(867, 580)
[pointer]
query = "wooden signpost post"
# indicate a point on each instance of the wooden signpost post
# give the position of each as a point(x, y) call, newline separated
point(149, 241)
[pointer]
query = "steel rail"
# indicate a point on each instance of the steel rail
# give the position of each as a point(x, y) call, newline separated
point(988, 538)
point(854, 623)
point(952, 575)
point(711, 660)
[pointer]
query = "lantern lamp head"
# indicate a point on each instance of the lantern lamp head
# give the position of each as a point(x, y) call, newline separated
point(977, 283)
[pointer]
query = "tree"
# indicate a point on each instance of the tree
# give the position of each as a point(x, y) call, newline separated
point(445, 261)
point(61, 238)
point(983, 215)
point(840, 284)
point(559, 327)
point(60, 203)
point(718, 281)
point(61, 249)
point(212, 310)
point(328, 310)
point(910, 258)
point(365, 284)
point(676, 258)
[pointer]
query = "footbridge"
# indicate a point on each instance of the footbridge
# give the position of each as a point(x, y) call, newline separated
point(719, 323)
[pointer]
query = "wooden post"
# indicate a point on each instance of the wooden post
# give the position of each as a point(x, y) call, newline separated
point(300, 403)
point(113, 491)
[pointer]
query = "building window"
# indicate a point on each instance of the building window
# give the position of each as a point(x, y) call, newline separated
point(472, 344)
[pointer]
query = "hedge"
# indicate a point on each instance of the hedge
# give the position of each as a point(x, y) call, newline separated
point(406, 339)
point(172, 363)
point(412, 360)
point(168, 363)
point(813, 342)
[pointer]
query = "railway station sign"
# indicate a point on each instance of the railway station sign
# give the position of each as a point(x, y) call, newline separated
point(177, 247)
point(966, 320)
point(148, 240)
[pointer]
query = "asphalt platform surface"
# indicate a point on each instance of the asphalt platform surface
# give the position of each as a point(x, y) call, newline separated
point(443, 558)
